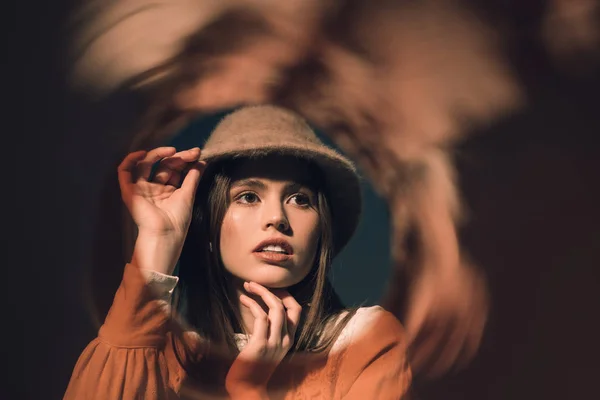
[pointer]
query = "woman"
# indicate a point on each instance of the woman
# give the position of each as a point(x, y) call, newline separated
point(257, 317)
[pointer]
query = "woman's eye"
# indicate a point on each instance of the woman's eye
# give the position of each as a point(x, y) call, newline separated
point(300, 199)
point(247, 198)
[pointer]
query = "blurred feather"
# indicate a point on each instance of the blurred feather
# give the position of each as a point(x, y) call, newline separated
point(394, 84)
point(571, 31)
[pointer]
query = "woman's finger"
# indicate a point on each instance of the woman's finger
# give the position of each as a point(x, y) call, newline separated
point(181, 159)
point(170, 169)
point(277, 314)
point(145, 166)
point(189, 155)
point(163, 176)
point(293, 309)
point(192, 179)
point(261, 321)
point(125, 172)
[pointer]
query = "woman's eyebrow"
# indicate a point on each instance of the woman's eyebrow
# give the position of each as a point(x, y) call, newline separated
point(253, 183)
point(260, 185)
point(295, 186)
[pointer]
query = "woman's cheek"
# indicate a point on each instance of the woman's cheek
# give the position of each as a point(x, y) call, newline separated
point(243, 219)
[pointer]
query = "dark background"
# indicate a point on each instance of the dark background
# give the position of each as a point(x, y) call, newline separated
point(530, 182)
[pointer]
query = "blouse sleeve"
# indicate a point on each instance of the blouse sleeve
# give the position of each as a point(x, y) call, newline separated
point(132, 357)
point(375, 363)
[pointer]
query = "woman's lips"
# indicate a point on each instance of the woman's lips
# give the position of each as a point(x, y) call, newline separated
point(272, 256)
point(277, 242)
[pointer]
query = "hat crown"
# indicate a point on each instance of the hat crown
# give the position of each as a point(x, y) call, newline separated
point(258, 126)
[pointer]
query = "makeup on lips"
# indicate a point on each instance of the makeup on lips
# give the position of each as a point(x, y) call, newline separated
point(276, 250)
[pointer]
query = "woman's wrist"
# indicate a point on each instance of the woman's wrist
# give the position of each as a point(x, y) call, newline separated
point(157, 252)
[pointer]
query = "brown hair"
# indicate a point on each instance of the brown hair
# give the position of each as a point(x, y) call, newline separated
point(204, 296)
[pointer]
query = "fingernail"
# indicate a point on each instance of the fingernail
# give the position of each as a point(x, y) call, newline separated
point(246, 286)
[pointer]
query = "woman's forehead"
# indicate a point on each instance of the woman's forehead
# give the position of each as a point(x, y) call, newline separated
point(276, 168)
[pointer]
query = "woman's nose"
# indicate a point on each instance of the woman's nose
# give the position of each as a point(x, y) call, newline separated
point(276, 218)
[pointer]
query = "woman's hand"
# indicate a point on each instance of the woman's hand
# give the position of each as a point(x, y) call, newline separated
point(160, 205)
point(272, 337)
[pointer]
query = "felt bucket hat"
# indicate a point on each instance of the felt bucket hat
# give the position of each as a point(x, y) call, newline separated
point(258, 131)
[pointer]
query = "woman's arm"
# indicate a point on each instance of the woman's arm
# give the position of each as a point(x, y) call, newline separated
point(157, 253)
point(133, 356)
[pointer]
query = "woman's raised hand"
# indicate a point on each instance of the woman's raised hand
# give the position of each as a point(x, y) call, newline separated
point(272, 337)
point(161, 204)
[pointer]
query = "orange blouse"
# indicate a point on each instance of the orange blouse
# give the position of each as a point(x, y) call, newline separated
point(141, 352)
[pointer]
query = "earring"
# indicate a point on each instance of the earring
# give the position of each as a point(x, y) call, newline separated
point(210, 247)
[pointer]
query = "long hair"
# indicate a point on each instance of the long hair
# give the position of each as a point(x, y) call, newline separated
point(205, 298)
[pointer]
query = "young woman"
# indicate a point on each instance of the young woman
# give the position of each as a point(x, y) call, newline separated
point(251, 313)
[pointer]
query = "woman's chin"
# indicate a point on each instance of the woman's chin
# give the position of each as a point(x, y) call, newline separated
point(274, 282)
point(270, 275)
point(275, 277)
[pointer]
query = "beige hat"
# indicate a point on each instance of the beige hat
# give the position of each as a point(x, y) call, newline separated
point(256, 131)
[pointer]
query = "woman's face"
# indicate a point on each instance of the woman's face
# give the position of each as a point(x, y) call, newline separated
point(270, 231)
